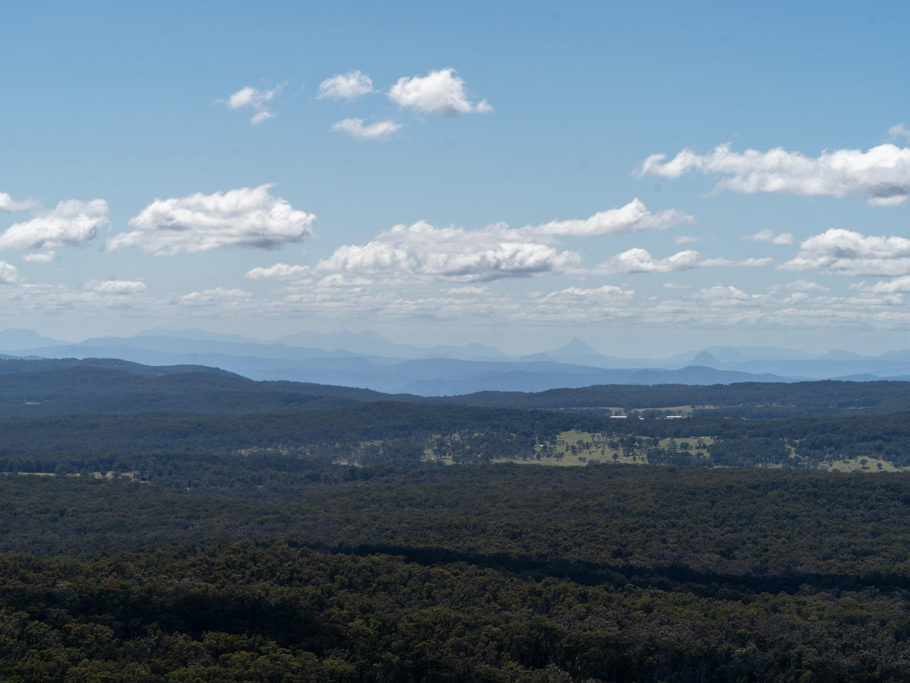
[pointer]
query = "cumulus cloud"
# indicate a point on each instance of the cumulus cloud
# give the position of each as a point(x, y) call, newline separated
point(347, 86)
point(252, 99)
point(496, 251)
point(632, 217)
point(686, 239)
point(8, 273)
point(246, 217)
point(751, 262)
point(899, 131)
point(851, 253)
point(582, 294)
point(439, 92)
point(278, 271)
point(470, 290)
point(639, 260)
point(116, 287)
point(802, 286)
point(782, 239)
point(71, 223)
point(41, 257)
point(722, 295)
point(7, 203)
point(380, 130)
point(261, 116)
point(881, 173)
point(900, 285)
point(449, 253)
point(214, 297)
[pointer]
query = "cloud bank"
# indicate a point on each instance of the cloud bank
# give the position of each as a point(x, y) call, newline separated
point(246, 217)
point(851, 253)
point(882, 174)
point(490, 253)
point(449, 253)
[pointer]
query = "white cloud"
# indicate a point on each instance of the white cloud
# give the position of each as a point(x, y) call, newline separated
point(632, 217)
point(804, 286)
point(448, 253)
point(686, 239)
point(751, 262)
point(722, 295)
point(380, 130)
point(439, 92)
point(343, 281)
point(882, 173)
point(782, 239)
point(639, 260)
point(278, 271)
point(347, 86)
point(246, 217)
point(116, 287)
point(850, 253)
point(900, 285)
point(214, 297)
point(254, 100)
point(7, 203)
point(41, 257)
point(8, 273)
point(490, 253)
point(898, 131)
point(470, 290)
point(261, 116)
point(71, 223)
point(580, 294)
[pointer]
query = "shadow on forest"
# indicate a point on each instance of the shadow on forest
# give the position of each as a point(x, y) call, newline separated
point(667, 578)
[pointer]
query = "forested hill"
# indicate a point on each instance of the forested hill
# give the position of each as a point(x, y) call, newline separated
point(746, 399)
point(34, 388)
point(32, 365)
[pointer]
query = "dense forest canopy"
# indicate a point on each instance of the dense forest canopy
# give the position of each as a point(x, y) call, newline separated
point(499, 572)
point(184, 526)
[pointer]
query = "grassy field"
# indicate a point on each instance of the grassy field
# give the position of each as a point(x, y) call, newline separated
point(862, 465)
point(577, 449)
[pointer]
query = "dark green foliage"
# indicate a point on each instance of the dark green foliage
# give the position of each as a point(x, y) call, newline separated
point(474, 573)
point(746, 399)
point(246, 553)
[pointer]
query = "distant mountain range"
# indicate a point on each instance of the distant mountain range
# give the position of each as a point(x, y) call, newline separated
point(98, 386)
point(371, 361)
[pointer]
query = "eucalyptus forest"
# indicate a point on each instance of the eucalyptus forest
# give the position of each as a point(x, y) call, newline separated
point(185, 524)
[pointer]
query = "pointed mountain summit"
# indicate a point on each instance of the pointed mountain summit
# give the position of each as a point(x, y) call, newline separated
point(706, 359)
point(578, 352)
point(15, 339)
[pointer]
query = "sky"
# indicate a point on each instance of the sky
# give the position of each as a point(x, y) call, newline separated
point(650, 177)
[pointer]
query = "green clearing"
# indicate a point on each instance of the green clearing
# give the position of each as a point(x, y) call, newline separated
point(684, 411)
point(863, 464)
point(576, 449)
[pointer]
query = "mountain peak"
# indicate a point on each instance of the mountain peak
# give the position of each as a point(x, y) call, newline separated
point(579, 345)
point(16, 338)
point(705, 358)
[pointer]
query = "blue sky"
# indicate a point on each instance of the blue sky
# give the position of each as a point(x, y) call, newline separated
point(482, 172)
